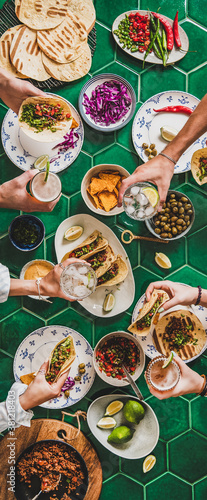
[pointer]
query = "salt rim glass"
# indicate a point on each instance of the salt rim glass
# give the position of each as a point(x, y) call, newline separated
point(35, 195)
point(78, 264)
point(148, 370)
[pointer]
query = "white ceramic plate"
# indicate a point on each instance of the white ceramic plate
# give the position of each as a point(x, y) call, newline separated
point(146, 433)
point(140, 364)
point(37, 346)
point(175, 54)
point(88, 89)
point(124, 292)
point(86, 181)
point(147, 124)
point(147, 341)
point(23, 151)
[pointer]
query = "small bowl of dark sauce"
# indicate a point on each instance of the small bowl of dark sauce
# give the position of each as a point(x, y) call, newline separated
point(26, 232)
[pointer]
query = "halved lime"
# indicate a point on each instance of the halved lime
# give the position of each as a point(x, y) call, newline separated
point(109, 302)
point(168, 133)
point(47, 171)
point(41, 162)
point(114, 407)
point(152, 195)
point(148, 463)
point(106, 423)
point(73, 233)
point(168, 360)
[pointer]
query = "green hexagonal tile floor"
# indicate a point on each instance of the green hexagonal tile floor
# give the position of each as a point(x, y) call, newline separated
point(180, 470)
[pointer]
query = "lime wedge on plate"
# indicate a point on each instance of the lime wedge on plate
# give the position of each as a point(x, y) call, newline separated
point(148, 463)
point(168, 360)
point(163, 260)
point(109, 302)
point(47, 171)
point(106, 423)
point(41, 162)
point(113, 408)
point(73, 233)
point(152, 195)
point(168, 133)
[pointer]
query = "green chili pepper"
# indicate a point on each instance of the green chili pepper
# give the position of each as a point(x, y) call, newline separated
point(151, 43)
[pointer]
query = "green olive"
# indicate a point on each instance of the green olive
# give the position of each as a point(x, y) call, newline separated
point(175, 210)
point(172, 195)
point(172, 224)
point(187, 217)
point(189, 212)
point(180, 204)
point(174, 218)
point(144, 145)
point(179, 228)
point(184, 199)
point(150, 157)
point(188, 223)
point(184, 227)
point(157, 223)
point(164, 205)
point(67, 394)
point(187, 206)
point(82, 365)
point(164, 218)
point(152, 146)
point(154, 152)
point(162, 223)
point(167, 210)
point(82, 371)
point(147, 151)
point(164, 235)
point(162, 212)
point(168, 204)
point(174, 230)
point(180, 221)
point(169, 235)
point(166, 228)
point(77, 378)
point(181, 210)
point(157, 230)
point(174, 203)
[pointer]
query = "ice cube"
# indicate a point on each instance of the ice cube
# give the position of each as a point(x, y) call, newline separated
point(129, 209)
point(128, 200)
point(149, 211)
point(142, 199)
point(84, 280)
point(140, 214)
point(80, 291)
point(91, 283)
point(135, 190)
point(83, 270)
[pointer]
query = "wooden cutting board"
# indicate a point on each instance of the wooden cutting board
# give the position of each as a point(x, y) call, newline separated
point(47, 429)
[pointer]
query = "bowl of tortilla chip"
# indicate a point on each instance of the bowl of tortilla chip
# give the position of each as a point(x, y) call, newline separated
point(100, 188)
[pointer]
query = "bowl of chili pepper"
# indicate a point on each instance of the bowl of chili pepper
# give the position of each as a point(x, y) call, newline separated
point(26, 232)
point(115, 350)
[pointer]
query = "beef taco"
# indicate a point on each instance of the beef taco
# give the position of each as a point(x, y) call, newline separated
point(180, 331)
point(115, 274)
point(94, 243)
point(46, 119)
point(145, 317)
point(199, 166)
point(102, 261)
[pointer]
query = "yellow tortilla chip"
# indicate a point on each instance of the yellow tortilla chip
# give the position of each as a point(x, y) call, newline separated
point(97, 185)
point(109, 200)
point(110, 178)
point(74, 124)
point(95, 199)
point(28, 378)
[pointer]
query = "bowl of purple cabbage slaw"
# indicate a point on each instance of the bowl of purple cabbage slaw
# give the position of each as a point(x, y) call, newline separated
point(107, 102)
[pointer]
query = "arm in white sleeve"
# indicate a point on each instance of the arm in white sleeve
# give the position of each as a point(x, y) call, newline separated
point(12, 414)
point(4, 283)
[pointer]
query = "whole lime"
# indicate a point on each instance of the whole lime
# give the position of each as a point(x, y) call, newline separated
point(133, 411)
point(120, 435)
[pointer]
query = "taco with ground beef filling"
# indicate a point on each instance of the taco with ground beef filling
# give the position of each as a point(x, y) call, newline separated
point(199, 166)
point(102, 261)
point(144, 320)
point(115, 274)
point(94, 243)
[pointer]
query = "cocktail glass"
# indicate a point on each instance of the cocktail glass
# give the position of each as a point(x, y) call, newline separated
point(136, 204)
point(162, 379)
point(45, 191)
point(78, 280)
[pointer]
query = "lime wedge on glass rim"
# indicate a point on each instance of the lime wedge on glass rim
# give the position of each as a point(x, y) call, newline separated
point(47, 171)
point(41, 162)
point(109, 302)
point(152, 195)
point(168, 360)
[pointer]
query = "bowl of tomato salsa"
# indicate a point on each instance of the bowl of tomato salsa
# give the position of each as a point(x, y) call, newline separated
point(114, 350)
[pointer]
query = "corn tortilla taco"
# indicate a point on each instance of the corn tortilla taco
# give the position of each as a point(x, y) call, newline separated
point(102, 260)
point(115, 274)
point(199, 166)
point(142, 324)
point(94, 243)
point(180, 331)
point(45, 119)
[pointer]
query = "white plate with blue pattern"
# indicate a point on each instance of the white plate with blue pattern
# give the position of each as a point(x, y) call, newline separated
point(147, 340)
point(147, 124)
point(37, 346)
point(23, 154)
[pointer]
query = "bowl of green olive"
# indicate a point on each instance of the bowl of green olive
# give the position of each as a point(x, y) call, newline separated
point(175, 219)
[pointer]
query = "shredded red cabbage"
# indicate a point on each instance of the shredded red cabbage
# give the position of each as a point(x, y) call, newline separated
point(109, 102)
point(69, 383)
point(70, 140)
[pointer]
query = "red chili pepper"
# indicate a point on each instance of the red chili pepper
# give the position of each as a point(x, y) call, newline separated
point(168, 29)
point(175, 109)
point(176, 31)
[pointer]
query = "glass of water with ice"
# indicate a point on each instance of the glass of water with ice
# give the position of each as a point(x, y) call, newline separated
point(140, 201)
point(78, 280)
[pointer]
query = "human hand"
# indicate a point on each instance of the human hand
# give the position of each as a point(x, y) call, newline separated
point(13, 90)
point(13, 194)
point(179, 294)
point(40, 391)
point(190, 382)
point(50, 284)
point(159, 171)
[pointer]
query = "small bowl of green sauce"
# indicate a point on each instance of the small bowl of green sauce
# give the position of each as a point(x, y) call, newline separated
point(26, 232)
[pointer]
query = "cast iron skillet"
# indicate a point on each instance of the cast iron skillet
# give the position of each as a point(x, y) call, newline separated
point(23, 492)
